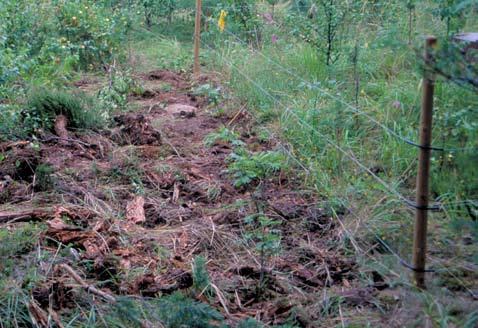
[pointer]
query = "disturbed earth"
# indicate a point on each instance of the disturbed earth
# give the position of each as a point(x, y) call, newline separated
point(127, 211)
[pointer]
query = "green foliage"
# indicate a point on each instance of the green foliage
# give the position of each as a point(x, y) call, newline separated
point(262, 231)
point(115, 94)
point(89, 32)
point(212, 94)
point(14, 243)
point(44, 180)
point(247, 166)
point(224, 135)
point(200, 277)
point(42, 106)
point(44, 44)
point(451, 11)
point(249, 323)
point(322, 27)
point(179, 311)
point(172, 311)
point(244, 16)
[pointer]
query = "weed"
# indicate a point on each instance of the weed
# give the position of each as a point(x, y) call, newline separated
point(115, 94)
point(224, 135)
point(245, 166)
point(261, 230)
point(213, 94)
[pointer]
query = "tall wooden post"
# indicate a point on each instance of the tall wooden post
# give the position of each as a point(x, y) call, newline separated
point(422, 197)
point(197, 31)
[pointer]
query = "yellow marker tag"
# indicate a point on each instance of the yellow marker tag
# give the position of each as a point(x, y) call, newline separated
point(221, 23)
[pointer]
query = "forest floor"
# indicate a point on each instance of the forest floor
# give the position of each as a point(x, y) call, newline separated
point(127, 211)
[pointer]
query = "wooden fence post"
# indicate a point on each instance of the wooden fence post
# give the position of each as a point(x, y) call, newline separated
point(197, 31)
point(422, 197)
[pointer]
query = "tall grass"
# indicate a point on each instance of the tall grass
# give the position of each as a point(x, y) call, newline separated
point(388, 77)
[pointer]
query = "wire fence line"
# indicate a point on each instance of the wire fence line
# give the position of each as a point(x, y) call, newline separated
point(388, 247)
point(410, 203)
point(350, 156)
point(341, 101)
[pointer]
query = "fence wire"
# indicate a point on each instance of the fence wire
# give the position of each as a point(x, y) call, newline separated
point(341, 101)
point(350, 156)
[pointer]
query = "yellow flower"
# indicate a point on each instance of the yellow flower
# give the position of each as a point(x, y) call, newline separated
point(362, 91)
point(221, 23)
point(366, 44)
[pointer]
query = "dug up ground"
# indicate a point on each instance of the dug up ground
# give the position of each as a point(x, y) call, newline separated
point(93, 217)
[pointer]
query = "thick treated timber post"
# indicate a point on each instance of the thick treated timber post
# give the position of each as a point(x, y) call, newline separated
point(423, 189)
point(197, 31)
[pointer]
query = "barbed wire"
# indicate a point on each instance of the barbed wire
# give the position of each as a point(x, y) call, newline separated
point(349, 106)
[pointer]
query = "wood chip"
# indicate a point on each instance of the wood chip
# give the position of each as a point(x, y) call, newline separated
point(135, 210)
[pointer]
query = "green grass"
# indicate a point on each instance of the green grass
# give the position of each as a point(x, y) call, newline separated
point(388, 90)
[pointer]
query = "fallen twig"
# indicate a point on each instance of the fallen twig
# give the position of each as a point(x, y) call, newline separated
point(25, 216)
point(50, 138)
point(236, 116)
point(9, 145)
point(90, 288)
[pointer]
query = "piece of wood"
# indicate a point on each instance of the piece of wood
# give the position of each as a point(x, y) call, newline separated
point(197, 31)
point(90, 288)
point(423, 172)
point(60, 128)
point(25, 215)
point(135, 210)
point(4, 146)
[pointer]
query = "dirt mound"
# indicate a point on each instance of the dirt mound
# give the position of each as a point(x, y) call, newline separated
point(135, 129)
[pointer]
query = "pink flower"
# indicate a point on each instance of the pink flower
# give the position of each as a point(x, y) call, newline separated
point(274, 38)
point(396, 103)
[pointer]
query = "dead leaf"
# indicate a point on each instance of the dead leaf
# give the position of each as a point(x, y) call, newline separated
point(38, 316)
point(135, 210)
point(58, 224)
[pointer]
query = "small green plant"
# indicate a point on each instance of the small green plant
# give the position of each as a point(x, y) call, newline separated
point(249, 323)
point(178, 311)
point(262, 231)
point(247, 166)
point(213, 94)
point(44, 180)
point(115, 94)
point(223, 134)
point(200, 277)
